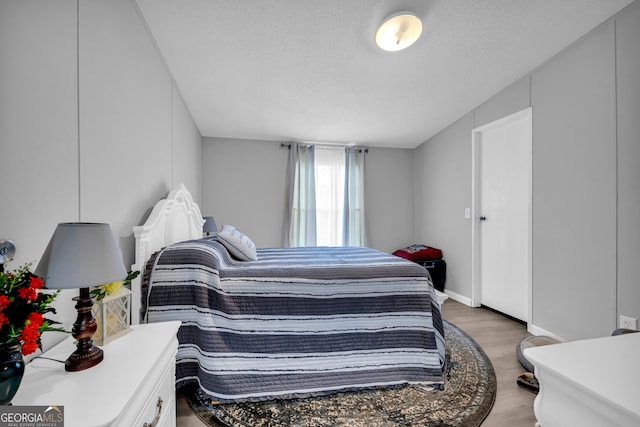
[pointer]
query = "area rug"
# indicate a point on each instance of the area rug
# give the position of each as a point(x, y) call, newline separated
point(467, 398)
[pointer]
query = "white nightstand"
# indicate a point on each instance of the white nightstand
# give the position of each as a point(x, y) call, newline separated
point(134, 385)
point(588, 383)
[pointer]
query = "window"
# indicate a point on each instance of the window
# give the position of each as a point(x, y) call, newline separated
point(329, 169)
point(325, 193)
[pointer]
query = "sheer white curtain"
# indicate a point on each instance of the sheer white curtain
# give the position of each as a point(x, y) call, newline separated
point(300, 213)
point(329, 195)
point(354, 232)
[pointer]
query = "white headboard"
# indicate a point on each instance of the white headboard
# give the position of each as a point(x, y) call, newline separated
point(174, 219)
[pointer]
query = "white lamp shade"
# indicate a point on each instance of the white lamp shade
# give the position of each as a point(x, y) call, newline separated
point(398, 32)
point(81, 255)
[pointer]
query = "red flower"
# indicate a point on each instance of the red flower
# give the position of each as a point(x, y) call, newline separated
point(36, 282)
point(28, 294)
point(31, 333)
point(29, 346)
point(35, 318)
point(22, 309)
point(4, 302)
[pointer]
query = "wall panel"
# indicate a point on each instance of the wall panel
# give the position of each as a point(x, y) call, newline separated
point(389, 194)
point(125, 118)
point(89, 125)
point(243, 185)
point(514, 98)
point(574, 185)
point(628, 108)
point(442, 171)
point(38, 123)
point(186, 148)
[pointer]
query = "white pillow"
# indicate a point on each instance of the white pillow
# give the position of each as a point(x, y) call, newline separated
point(239, 245)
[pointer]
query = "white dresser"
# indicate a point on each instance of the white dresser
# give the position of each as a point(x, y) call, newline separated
point(588, 383)
point(134, 384)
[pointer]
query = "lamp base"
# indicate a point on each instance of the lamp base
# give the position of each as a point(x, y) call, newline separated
point(86, 355)
point(79, 361)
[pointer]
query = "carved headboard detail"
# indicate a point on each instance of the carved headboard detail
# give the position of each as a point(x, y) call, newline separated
point(174, 219)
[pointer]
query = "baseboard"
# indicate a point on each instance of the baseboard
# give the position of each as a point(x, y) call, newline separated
point(536, 330)
point(531, 328)
point(457, 297)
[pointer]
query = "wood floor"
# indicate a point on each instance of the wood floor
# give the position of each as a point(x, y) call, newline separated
point(498, 336)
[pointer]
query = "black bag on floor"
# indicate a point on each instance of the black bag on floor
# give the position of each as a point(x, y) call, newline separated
point(437, 268)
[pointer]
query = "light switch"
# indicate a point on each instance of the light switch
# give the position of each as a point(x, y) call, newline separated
point(467, 213)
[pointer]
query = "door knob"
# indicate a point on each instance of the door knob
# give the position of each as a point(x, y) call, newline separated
point(483, 218)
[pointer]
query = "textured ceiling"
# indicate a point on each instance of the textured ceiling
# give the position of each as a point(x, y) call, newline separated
point(308, 70)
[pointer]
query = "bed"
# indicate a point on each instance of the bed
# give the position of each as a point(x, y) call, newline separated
point(294, 322)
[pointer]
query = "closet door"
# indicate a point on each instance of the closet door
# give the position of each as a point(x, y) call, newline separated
point(502, 151)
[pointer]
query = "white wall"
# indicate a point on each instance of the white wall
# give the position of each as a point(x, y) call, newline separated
point(92, 126)
point(574, 189)
point(38, 122)
point(442, 174)
point(243, 185)
point(186, 148)
point(628, 138)
point(586, 163)
point(390, 201)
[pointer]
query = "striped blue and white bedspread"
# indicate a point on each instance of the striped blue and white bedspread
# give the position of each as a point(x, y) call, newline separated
point(296, 322)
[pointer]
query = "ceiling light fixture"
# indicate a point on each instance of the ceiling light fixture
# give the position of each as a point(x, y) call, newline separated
point(398, 31)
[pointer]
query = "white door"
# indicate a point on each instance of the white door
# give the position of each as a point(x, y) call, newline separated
point(502, 215)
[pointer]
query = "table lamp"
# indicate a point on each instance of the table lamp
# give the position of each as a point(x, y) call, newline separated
point(81, 255)
point(210, 225)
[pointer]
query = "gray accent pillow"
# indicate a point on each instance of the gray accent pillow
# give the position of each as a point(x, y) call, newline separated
point(238, 245)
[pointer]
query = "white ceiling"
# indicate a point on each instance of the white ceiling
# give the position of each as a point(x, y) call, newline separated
point(308, 70)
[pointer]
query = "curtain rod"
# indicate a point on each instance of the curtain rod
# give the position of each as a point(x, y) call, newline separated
point(288, 145)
